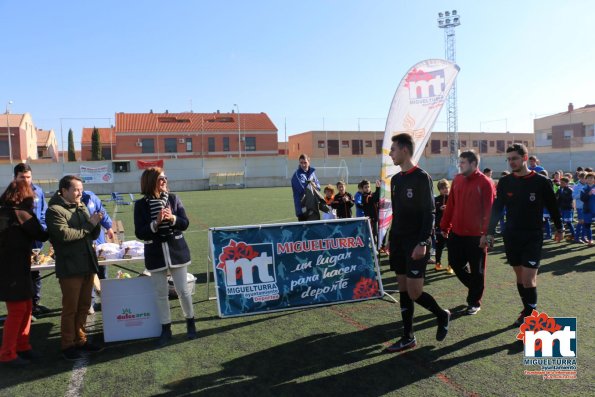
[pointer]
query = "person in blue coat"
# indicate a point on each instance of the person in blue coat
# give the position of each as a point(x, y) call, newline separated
point(159, 220)
point(303, 182)
point(23, 172)
point(93, 204)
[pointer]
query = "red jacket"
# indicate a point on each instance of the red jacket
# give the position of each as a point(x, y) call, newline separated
point(469, 205)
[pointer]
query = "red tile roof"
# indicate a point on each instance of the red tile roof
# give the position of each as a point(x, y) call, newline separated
point(192, 122)
point(43, 137)
point(104, 135)
point(14, 120)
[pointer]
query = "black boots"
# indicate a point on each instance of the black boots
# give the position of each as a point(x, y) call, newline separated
point(165, 335)
point(191, 328)
point(166, 332)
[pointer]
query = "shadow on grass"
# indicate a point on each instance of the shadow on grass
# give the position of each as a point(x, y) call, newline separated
point(46, 340)
point(325, 361)
point(569, 265)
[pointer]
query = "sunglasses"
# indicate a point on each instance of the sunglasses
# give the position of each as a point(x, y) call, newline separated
point(162, 178)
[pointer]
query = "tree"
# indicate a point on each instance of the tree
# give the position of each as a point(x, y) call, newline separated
point(96, 145)
point(71, 151)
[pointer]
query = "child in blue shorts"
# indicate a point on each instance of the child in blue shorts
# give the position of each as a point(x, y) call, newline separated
point(564, 197)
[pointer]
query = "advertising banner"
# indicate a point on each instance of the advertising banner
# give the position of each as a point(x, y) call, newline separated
point(96, 174)
point(267, 268)
point(129, 309)
point(414, 109)
point(144, 164)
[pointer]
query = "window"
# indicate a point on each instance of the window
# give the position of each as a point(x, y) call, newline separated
point(171, 145)
point(435, 146)
point(211, 143)
point(250, 145)
point(188, 144)
point(492, 144)
point(321, 145)
point(106, 153)
point(500, 147)
point(483, 146)
point(357, 147)
point(368, 143)
point(589, 130)
point(549, 136)
point(567, 135)
point(344, 144)
point(444, 143)
point(148, 145)
point(226, 144)
point(475, 144)
point(378, 146)
point(333, 147)
point(463, 143)
point(121, 166)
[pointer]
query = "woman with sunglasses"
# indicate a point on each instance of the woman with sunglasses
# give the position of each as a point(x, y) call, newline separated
point(159, 220)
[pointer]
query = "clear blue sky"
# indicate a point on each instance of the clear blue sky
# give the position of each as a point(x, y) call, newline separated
point(298, 61)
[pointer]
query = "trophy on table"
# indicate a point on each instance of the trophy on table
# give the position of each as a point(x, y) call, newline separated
point(35, 258)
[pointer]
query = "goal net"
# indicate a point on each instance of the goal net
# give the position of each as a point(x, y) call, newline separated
point(341, 173)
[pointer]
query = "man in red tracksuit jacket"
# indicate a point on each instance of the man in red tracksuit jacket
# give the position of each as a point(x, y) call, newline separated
point(464, 222)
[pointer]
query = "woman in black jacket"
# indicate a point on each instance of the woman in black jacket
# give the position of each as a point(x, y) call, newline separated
point(159, 220)
point(19, 228)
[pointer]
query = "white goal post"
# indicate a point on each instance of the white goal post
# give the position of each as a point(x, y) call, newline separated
point(341, 172)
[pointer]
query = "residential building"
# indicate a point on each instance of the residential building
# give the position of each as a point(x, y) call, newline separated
point(483, 143)
point(107, 138)
point(346, 144)
point(47, 145)
point(23, 137)
point(194, 135)
point(335, 144)
point(572, 130)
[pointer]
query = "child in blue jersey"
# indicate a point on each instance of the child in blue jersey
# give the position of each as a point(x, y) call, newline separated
point(357, 199)
point(579, 235)
point(564, 197)
point(588, 198)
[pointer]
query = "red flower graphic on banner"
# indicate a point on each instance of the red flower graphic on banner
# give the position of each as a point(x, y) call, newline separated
point(417, 75)
point(538, 322)
point(365, 288)
point(235, 251)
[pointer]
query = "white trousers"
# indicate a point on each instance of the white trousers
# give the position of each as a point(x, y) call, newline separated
point(159, 280)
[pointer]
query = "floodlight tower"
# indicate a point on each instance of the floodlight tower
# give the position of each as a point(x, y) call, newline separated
point(449, 20)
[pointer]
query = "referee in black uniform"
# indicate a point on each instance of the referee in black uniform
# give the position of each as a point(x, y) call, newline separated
point(524, 194)
point(413, 219)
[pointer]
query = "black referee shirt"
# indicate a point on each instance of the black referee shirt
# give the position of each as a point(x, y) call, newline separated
point(524, 198)
point(413, 204)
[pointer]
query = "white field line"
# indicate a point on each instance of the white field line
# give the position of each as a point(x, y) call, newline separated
point(75, 385)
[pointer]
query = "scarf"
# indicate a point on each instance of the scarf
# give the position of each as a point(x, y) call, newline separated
point(155, 206)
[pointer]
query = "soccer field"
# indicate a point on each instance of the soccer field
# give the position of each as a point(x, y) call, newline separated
point(332, 350)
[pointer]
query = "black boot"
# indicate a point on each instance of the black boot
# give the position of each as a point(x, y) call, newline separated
point(191, 328)
point(165, 336)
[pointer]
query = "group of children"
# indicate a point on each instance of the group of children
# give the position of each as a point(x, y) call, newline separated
point(365, 202)
point(574, 193)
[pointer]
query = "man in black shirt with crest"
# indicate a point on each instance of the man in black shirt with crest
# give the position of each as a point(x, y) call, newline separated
point(524, 194)
point(410, 239)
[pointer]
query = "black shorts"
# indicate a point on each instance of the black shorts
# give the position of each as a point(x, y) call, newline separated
point(523, 247)
point(401, 261)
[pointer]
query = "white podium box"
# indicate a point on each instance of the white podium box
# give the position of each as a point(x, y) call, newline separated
point(129, 309)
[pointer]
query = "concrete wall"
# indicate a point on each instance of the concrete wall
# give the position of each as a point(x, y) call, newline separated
point(193, 174)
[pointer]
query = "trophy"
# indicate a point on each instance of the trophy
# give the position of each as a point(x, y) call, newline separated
point(35, 258)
